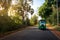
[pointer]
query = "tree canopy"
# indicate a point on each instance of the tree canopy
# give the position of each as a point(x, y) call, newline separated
point(48, 10)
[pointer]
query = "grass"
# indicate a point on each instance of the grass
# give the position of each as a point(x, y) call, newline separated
point(57, 28)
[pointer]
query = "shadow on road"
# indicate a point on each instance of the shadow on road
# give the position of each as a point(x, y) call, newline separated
point(47, 31)
point(32, 33)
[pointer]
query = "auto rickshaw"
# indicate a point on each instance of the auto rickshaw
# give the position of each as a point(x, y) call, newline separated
point(42, 24)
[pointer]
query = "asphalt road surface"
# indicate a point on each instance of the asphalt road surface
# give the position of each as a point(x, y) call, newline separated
point(31, 33)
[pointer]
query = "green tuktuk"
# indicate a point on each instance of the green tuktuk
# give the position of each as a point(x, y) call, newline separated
point(42, 24)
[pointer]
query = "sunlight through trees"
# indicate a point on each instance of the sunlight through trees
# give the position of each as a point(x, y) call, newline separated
point(13, 13)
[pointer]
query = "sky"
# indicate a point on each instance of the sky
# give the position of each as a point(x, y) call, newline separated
point(36, 5)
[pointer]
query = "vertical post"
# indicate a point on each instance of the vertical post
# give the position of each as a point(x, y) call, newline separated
point(57, 13)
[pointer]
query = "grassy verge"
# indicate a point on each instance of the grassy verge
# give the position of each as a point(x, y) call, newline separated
point(57, 28)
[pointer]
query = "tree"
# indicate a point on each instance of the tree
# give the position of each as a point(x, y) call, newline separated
point(48, 9)
point(12, 13)
point(33, 20)
point(22, 7)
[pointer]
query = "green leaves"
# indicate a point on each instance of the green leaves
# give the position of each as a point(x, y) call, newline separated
point(33, 20)
point(13, 14)
point(48, 10)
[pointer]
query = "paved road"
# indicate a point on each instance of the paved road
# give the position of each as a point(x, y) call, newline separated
point(31, 33)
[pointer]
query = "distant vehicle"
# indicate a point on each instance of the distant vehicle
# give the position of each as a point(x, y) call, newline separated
point(42, 24)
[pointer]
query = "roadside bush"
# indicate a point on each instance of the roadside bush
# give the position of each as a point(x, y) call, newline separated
point(57, 28)
point(33, 20)
point(8, 24)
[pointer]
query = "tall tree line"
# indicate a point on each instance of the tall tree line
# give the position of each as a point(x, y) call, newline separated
point(49, 11)
point(13, 13)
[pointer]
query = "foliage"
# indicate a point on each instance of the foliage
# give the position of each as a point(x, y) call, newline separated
point(33, 20)
point(57, 28)
point(12, 16)
point(45, 10)
point(48, 11)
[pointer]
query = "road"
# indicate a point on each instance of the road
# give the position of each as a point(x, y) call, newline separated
point(31, 33)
